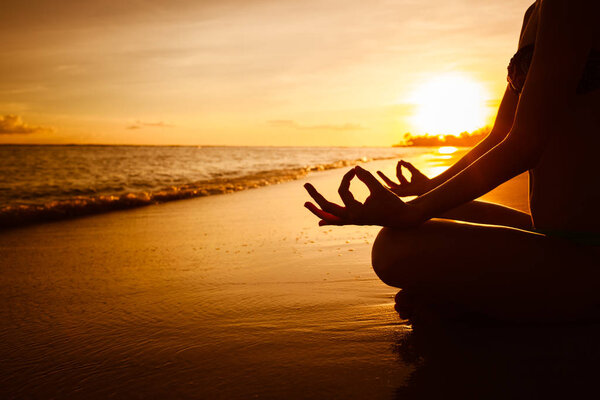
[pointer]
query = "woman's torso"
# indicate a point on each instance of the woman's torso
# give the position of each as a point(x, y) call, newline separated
point(564, 191)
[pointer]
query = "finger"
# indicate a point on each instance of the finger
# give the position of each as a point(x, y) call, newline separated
point(336, 223)
point(368, 179)
point(401, 178)
point(413, 170)
point(326, 205)
point(323, 215)
point(344, 189)
point(387, 180)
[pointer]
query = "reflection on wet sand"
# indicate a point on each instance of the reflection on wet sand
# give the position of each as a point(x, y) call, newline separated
point(196, 299)
point(475, 361)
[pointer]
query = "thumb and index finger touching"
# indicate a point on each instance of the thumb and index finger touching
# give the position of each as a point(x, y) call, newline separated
point(413, 170)
point(334, 210)
point(368, 179)
point(399, 173)
point(364, 176)
point(344, 189)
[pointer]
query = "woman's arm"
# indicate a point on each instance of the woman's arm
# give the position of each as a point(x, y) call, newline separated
point(563, 43)
point(502, 125)
point(420, 184)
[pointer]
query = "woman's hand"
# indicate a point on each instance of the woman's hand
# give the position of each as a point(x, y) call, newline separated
point(418, 185)
point(382, 207)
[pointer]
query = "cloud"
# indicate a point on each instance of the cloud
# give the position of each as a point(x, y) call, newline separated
point(141, 124)
point(14, 125)
point(289, 124)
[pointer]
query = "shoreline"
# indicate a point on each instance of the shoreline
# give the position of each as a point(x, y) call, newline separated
point(14, 216)
point(218, 297)
point(20, 215)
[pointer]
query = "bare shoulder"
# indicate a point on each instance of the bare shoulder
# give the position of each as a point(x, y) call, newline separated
point(573, 11)
point(530, 10)
point(569, 20)
point(528, 28)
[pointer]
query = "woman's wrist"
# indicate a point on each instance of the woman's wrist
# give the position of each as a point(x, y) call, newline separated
point(419, 212)
point(434, 182)
point(410, 215)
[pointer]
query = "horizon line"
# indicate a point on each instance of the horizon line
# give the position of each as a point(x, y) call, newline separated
point(398, 145)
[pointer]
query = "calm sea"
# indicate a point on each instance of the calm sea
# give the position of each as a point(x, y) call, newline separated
point(55, 182)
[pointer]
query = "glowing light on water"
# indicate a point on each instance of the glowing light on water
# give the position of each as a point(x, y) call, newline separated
point(447, 150)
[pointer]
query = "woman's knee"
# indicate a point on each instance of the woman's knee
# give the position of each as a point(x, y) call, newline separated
point(408, 257)
point(393, 250)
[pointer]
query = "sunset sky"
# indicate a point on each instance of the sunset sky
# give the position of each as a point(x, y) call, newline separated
point(241, 72)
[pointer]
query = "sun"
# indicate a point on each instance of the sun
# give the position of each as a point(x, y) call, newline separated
point(449, 104)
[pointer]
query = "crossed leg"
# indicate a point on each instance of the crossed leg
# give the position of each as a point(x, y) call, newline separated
point(499, 271)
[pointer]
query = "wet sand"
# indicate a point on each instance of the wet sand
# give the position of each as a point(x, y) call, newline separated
point(229, 296)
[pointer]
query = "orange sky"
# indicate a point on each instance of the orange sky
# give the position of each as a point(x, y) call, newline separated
point(239, 72)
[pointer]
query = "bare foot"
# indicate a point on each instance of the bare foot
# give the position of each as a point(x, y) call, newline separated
point(423, 309)
point(413, 307)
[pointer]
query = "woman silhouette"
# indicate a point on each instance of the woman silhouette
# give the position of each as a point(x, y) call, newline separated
point(448, 251)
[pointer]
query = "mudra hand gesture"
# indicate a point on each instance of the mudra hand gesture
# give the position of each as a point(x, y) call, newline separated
point(382, 207)
point(418, 185)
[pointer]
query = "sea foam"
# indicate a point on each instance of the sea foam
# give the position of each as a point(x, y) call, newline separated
point(46, 183)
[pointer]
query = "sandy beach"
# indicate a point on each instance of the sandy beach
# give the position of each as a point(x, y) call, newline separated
point(230, 296)
point(155, 236)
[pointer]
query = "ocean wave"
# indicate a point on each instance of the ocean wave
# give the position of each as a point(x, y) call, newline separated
point(12, 216)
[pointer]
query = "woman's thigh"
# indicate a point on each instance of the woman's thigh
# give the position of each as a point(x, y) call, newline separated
point(494, 269)
point(483, 212)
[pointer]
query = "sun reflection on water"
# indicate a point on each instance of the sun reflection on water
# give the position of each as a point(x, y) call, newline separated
point(447, 150)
